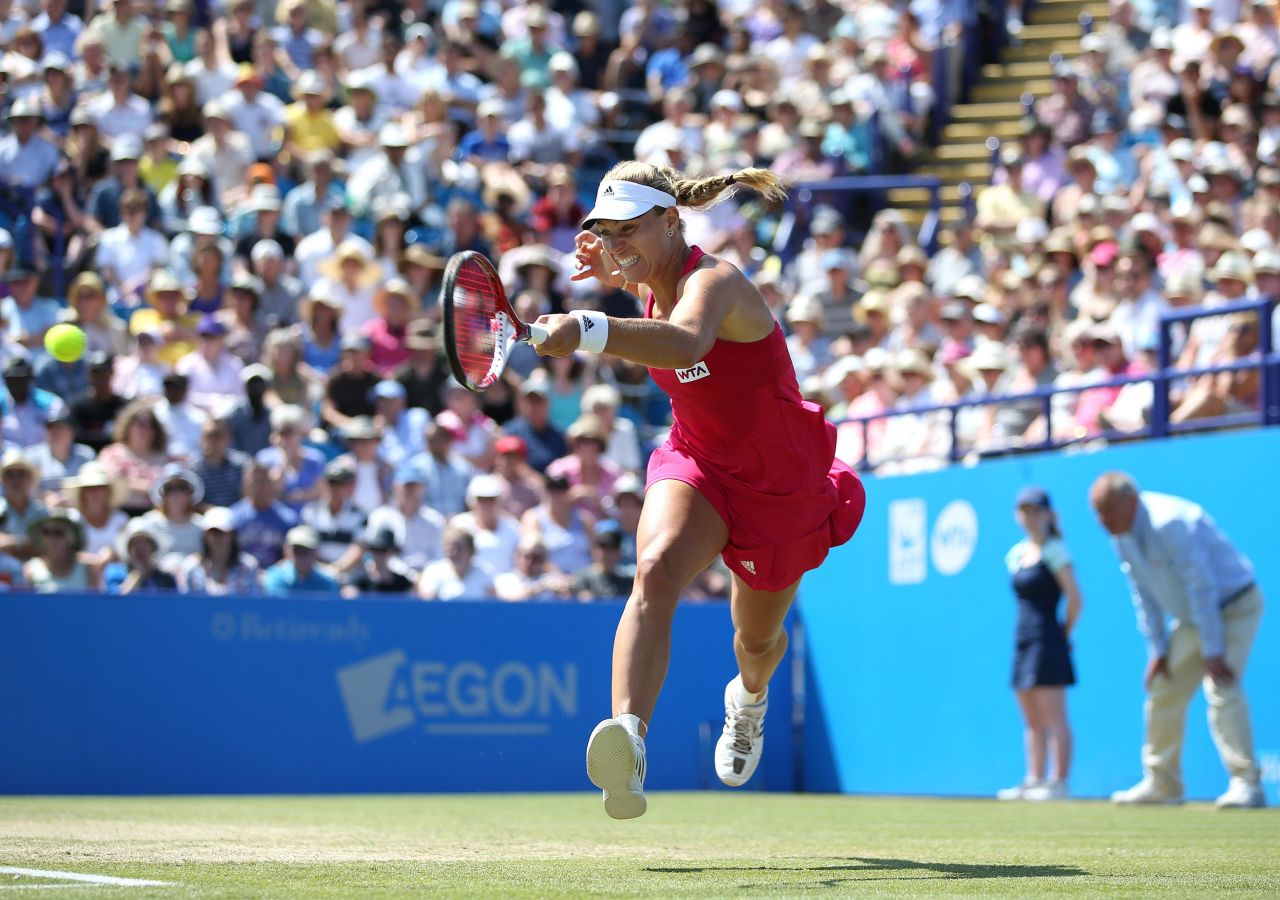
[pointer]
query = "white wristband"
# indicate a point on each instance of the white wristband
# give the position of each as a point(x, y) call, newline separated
point(593, 328)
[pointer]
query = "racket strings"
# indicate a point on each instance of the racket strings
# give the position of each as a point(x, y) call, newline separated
point(478, 328)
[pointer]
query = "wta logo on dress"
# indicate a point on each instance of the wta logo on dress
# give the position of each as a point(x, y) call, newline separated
point(390, 693)
point(693, 373)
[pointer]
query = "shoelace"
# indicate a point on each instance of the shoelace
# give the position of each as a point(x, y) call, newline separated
point(743, 728)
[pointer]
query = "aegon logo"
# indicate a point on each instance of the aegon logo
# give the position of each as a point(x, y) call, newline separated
point(389, 693)
point(693, 373)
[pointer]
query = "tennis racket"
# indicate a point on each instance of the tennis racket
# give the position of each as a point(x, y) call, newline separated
point(480, 326)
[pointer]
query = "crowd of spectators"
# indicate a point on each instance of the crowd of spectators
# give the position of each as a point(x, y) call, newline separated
point(247, 207)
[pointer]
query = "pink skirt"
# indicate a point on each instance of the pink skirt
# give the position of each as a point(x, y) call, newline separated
point(772, 540)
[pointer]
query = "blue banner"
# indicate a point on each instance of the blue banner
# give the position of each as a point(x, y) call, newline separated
point(124, 695)
point(909, 626)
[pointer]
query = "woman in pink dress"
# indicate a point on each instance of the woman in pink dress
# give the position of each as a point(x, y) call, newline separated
point(749, 471)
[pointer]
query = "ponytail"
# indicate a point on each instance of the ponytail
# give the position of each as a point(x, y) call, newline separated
point(1054, 531)
point(699, 193)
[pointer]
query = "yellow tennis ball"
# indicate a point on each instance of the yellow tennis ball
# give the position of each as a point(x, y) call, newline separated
point(65, 342)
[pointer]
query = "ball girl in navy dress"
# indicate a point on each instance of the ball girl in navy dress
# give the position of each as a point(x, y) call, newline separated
point(1041, 572)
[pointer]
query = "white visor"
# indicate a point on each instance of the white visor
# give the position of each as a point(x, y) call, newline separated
point(622, 200)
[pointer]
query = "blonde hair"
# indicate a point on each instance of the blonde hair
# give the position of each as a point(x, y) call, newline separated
point(699, 193)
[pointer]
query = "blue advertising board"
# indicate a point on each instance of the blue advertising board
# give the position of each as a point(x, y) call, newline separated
point(126, 695)
point(909, 626)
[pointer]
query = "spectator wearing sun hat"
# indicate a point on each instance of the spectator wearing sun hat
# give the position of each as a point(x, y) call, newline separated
point(177, 494)
point(810, 351)
point(59, 563)
point(1231, 277)
point(140, 548)
point(352, 275)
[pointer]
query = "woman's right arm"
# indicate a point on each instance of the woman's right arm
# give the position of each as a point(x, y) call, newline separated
point(677, 343)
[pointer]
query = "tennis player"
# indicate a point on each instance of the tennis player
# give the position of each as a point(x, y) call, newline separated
point(749, 471)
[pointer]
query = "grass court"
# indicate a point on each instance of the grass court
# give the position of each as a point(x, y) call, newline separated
point(713, 844)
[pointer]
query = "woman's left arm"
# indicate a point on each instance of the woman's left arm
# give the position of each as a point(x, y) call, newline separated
point(1067, 581)
point(678, 343)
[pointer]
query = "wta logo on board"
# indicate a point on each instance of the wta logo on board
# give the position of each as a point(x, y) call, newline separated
point(390, 693)
point(951, 542)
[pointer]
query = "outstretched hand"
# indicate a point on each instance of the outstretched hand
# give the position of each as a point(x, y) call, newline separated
point(593, 261)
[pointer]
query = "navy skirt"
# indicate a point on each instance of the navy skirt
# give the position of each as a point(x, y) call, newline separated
point(1042, 662)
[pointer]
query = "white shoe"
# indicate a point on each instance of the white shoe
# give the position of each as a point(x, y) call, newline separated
point(741, 742)
point(1145, 792)
point(615, 764)
point(1241, 794)
point(1046, 791)
point(1017, 792)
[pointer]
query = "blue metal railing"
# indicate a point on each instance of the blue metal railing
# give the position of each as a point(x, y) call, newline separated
point(1266, 361)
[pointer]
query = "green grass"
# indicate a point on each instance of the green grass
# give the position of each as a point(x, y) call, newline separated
point(709, 844)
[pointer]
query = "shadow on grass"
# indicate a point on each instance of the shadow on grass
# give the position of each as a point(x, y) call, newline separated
point(861, 864)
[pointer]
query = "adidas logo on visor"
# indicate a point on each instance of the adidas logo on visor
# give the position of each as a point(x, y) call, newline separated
point(608, 191)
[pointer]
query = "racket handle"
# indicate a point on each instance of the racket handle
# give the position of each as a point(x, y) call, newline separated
point(537, 334)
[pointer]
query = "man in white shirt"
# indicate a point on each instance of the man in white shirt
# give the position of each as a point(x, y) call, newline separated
point(129, 252)
point(495, 532)
point(183, 422)
point(255, 113)
point(213, 77)
point(418, 528)
point(1136, 316)
point(226, 152)
point(394, 171)
point(119, 111)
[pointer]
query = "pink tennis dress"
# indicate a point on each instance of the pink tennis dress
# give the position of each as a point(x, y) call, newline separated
point(764, 458)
